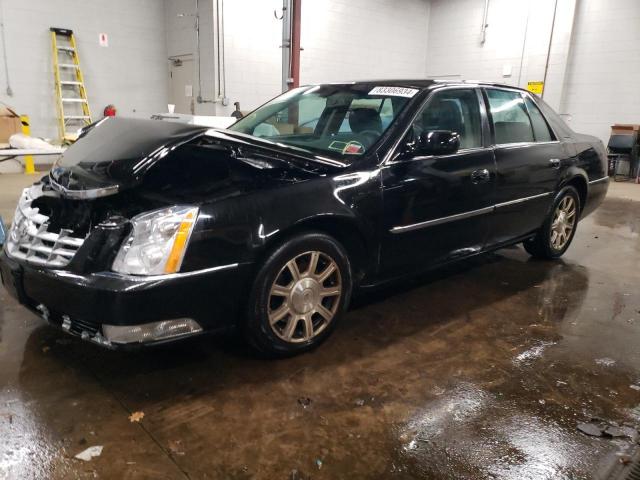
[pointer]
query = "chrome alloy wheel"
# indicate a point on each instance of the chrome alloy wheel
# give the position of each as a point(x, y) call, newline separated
point(564, 221)
point(304, 297)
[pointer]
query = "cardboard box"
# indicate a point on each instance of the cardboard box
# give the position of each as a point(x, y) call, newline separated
point(9, 124)
point(624, 129)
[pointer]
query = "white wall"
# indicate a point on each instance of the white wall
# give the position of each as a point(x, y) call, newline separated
point(594, 66)
point(517, 38)
point(182, 43)
point(342, 40)
point(363, 39)
point(252, 39)
point(603, 79)
point(252, 51)
point(130, 73)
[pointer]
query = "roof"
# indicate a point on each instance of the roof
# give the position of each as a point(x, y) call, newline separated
point(422, 83)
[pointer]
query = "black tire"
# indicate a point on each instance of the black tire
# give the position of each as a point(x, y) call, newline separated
point(541, 245)
point(258, 330)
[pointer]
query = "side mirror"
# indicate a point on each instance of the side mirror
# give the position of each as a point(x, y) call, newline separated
point(437, 142)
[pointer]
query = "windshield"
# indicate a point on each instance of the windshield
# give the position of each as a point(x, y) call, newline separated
point(333, 120)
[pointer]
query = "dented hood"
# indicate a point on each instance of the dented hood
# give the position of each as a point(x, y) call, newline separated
point(115, 154)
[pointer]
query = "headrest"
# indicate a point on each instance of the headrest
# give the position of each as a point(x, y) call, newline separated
point(362, 119)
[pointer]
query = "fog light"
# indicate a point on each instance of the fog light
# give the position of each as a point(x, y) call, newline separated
point(150, 332)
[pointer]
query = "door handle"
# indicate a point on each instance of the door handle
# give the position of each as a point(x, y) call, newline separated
point(480, 176)
point(554, 163)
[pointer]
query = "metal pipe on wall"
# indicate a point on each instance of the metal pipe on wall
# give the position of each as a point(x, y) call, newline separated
point(199, 97)
point(4, 50)
point(222, 89)
point(524, 42)
point(483, 34)
point(546, 66)
point(291, 28)
point(219, 81)
point(295, 43)
point(286, 43)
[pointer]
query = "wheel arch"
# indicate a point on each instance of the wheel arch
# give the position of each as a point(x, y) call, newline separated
point(578, 180)
point(345, 230)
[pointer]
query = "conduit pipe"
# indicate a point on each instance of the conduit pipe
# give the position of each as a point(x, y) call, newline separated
point(483, 32)
point(546, 66)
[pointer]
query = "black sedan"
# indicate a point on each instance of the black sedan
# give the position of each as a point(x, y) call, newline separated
point(148, 231)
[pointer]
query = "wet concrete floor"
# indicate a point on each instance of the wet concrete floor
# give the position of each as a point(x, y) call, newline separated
point(478, 371)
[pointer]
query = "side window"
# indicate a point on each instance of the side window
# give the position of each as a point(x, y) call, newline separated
point(540, 128)
point(454, 110)
point(511, 122)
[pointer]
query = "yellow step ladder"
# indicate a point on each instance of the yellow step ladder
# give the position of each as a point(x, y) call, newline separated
point(71, 94)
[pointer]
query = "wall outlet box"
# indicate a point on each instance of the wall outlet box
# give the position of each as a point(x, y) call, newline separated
point(506, 70)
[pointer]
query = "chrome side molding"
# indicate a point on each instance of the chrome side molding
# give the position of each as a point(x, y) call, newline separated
point(461, 216)
point(439, 221)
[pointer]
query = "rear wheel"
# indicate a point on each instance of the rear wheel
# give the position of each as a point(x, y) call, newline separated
point(558, 230)
point(299, 295)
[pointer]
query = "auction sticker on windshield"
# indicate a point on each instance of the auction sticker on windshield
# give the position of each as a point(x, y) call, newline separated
point(394, 91)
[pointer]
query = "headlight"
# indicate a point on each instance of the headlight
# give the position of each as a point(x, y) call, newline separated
point(157, 243)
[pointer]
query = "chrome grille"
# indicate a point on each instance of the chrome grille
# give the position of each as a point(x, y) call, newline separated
point(30, 240)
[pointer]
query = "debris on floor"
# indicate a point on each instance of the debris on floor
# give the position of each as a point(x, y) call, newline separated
point(591, 429)
point(89, 453)
point(304, 402)
point(598, 427)
point(136, 417)
point(175, 447)
point(605, 362)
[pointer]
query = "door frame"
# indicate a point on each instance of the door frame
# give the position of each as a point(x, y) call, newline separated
point(486, 130)
point(542, 197)
point(390, 160)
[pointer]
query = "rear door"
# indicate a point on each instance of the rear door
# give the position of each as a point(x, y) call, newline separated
point(529, 159)
point(438, 207)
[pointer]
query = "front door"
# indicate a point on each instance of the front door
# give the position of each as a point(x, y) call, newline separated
point(529, 159)
point(437, 208)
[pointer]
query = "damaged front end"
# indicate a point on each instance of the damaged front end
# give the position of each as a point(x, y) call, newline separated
point(66, 238)
point(81, 267)
point(96, 247)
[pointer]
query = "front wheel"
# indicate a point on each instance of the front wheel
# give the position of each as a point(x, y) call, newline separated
point(298, 295)
point(558, 230)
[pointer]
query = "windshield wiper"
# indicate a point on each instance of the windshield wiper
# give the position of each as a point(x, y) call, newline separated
point(252, 140)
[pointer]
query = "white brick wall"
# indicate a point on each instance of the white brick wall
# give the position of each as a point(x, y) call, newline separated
point(252, 51)
point(131, 72)
point(454, 47)
point(594, 67)
point(603, 79)
point(359, 39)
point(342, 40)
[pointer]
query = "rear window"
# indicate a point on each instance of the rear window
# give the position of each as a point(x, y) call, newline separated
point(540, 128)
point(511, 122)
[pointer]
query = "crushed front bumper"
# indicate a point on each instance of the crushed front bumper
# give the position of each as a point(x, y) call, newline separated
point(82, 304)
